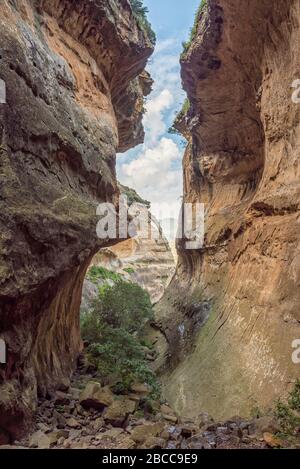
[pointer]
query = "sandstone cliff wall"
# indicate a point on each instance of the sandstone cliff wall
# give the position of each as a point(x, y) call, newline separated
point(74, 79)
point(233, 308)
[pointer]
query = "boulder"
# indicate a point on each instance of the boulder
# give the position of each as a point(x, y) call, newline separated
point(141, 389)
point(119, 410)
point(111, 434)
point(170, 418)
point(73, 423)
point(198, 442)
point(142, 433)
point(154, 443)
point(204, 419)
point(126, 443)
point(96, 397)
point(263, 425)
point(165, 409)
point(272, 440)
point(97, 424)
point(188, 430)
point(57, 435)
point(39, 440)
point(61, 398)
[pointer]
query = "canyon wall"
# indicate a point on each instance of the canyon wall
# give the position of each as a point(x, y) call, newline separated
point(233, 308)
point(75, 80)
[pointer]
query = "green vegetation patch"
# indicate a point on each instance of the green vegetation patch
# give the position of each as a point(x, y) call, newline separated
point(129, 270)
point(184, 110)
point(113, 330)
point(101, 273)
point(186, 45)
point(133, 196)
point(288, 413)
point(140, 12)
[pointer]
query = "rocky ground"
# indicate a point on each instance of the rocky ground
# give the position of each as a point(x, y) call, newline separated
point(89, 415)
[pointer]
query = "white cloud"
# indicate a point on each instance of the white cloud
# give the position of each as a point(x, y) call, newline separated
point(153, 163)
point(154, 118)
point(156, 176)
point(164, 45)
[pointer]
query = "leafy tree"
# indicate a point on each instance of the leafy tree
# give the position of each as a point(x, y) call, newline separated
point(124, 305)
point(112, 329)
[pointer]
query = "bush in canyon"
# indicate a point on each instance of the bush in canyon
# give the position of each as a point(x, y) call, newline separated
point(129, 270)
point(179, 116)
point(133, 196)
point(140, 12)
point(113, 330)
point(101, 273)
point(124, 305)
point(288, 413)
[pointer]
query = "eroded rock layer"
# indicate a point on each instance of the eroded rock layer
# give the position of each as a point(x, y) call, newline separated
point(149, 262)
point(233, 309)
point(74, 80)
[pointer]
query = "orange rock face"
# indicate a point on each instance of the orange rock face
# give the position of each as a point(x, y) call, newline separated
point(75, 80)
point(233, 309)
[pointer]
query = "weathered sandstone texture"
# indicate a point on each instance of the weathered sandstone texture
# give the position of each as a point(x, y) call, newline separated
point(75, 82)
point(149, 262)
point(233, 309)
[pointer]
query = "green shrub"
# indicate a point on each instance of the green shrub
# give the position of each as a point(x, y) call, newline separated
point(294, 398)
point(285, 412)
point(101, 273)
point(186, 45)
point(287, 420)
point(129, 270)
point(133, 196)
point(185, 108)
point(124, 305)
point(140, 12)
point(146, 343)
point(112, 331)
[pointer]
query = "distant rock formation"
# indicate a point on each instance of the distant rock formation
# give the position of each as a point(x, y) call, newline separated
point(143, 260)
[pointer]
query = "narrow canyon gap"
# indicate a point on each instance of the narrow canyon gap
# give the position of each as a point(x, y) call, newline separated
point(75, 84)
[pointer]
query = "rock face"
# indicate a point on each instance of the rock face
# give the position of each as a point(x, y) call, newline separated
point(147, 262)
point(74, 83)
point(233, 309)
point(150, 263)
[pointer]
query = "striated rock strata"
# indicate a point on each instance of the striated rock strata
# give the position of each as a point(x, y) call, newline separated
point(74, 83)
point(149, 262)
point(233, 309)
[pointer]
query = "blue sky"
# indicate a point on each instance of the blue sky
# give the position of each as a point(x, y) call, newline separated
point(154, 169)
